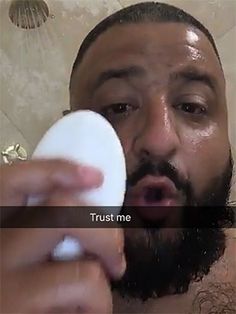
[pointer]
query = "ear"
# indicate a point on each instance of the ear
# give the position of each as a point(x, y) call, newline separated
point(65, 112)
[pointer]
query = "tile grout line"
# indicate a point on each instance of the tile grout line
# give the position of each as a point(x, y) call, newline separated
point(15, 126)
point(228, 30)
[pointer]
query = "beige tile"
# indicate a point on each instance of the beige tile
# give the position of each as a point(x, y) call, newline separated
point(36, 64)
point(217, 15)
point(231, 101)
point(227, 50)
point(10, 135)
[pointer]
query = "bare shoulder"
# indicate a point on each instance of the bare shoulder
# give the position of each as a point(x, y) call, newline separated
point(217, 291)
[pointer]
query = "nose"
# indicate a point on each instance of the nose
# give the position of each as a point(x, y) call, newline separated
point(159, 135)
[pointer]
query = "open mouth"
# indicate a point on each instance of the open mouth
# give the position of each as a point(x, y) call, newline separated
point(153, 197)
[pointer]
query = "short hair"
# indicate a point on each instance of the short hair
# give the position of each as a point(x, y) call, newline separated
point(141, 13)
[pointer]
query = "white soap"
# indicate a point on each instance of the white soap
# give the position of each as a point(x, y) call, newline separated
point(87, 138)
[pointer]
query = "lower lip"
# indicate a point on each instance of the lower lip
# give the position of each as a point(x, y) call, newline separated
point(153, 211)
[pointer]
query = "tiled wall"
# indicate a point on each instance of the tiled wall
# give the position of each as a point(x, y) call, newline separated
point(35, 65)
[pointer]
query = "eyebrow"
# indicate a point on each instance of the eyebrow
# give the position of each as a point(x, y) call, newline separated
point(189, 74)
point(122, 73)
point(193, 74)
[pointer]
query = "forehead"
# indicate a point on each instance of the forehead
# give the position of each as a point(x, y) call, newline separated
point(155, 46)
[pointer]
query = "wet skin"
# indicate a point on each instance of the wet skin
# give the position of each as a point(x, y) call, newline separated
point(163, 89)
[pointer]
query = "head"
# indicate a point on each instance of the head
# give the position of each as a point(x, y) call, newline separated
point(154, 72)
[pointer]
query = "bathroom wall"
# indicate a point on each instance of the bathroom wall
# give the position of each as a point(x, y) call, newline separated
point(35, 65)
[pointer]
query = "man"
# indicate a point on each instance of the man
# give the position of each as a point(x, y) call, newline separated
point(154, 72)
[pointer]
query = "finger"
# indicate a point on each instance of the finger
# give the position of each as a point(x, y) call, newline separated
point(25, 246)
point(18, 181)
point(71, 286)
point(28, 245)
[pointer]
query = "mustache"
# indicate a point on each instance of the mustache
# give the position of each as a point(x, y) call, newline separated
point(163, 168)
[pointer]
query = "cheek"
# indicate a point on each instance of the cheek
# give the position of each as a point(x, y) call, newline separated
point(203, 154)
point(126, 141)
point(206, 153)
point(125, 133)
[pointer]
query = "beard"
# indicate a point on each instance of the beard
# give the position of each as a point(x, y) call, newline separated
point(165, 260)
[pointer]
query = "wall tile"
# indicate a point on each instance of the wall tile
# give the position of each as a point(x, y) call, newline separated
point(10, 135)
point(211, 12)
point(36, 64)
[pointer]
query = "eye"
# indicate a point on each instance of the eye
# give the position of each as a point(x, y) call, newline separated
point(118, 109)
point(192, 108)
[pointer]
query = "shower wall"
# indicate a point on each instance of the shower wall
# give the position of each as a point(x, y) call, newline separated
point(36, 64)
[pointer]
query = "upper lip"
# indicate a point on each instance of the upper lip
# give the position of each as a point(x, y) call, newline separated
point(165, 184)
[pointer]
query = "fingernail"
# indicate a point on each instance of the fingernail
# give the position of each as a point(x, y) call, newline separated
point(90, 175)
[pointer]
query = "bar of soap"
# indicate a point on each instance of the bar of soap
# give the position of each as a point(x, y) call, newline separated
point(87, 138)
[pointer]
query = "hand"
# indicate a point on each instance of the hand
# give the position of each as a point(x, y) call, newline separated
point(30, 282)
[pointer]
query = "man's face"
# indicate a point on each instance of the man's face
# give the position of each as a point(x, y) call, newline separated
point(162, 88)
